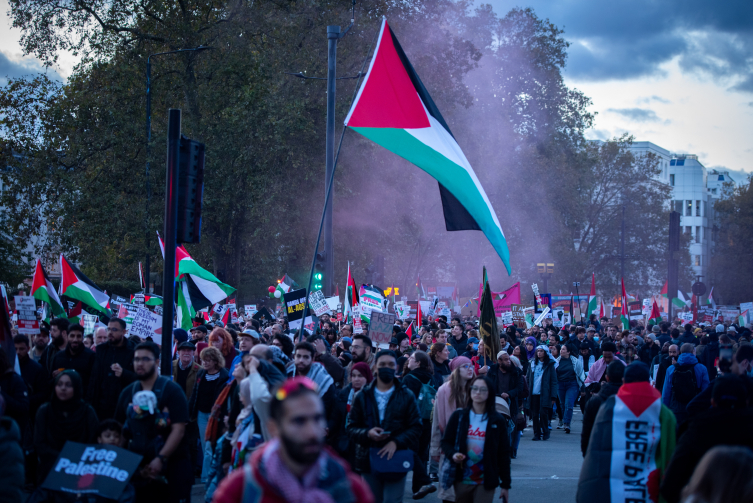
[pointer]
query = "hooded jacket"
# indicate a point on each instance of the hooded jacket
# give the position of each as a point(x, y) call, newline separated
point(701, 375)
point(592, 409)
point(549, 384)
point(458, 344)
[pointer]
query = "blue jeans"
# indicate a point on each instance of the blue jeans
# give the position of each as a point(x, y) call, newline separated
point(206, 447)
point(568, 392)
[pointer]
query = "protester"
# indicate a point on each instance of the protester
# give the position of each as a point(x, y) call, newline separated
point(161, 442)
point(209, 383)
point(542, 378)
point(441, 337)
point(570, 379)
point(726, 423)
point(112, 371)
point(75, 356)
point(59, 340)
point(32, 373)
point(14, 393)
point(507, 383)
point(221, 339)
point(360, 376)
point(440, 361)
point(641, 462)
point(739, 365)
point(361, 350)
point(11, 459)
point(294, 466)
point(199, 334)
point(66, 417)
point(476, 440)
point(683, 381)
point(100, 337)
point(40, 341)
point(667, 360)
point(384, 416)
point(615, 372)
point(724, 474)
point(331, 364)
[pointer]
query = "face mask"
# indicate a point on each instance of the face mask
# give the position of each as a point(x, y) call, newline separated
point(475, 347)
point(386, 374)
point(596, 338)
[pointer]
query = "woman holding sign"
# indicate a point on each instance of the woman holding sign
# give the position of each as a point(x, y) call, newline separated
point(65, 417)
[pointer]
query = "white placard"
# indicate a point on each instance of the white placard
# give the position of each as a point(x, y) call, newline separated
point(27, 315)
point(318, 303)
point(147, 324)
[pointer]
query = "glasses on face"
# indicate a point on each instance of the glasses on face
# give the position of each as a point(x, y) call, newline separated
point(465, 367)
point(479, 389)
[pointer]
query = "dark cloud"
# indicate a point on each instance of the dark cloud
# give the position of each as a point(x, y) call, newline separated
point(623, 39)
point(636, 114)
point(12, 70)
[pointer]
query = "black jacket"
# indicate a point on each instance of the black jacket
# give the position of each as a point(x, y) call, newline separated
point(592, 409)
point(417, 377)
point(513, 392)
point(47, 358)
point(83, 362)
point(687, 337)
point(496, 447)
point(193, 410)
point(709, 429)
point(104, 386)
point(647, 353)
point(661, 373)
point(401, 419)
point(338, 434)
point(441, 371)
point(12, 461)
point(14, 391)
point(708, 358)
point(549, 385)
point(459, 345)
point(37, 386)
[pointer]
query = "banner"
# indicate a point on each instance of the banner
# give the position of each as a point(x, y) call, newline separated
point(27, 315)
point(103, 470)
point(371, 299)
point(318, 303)
point(380, 328)
point(501, 300)
point(147, 324)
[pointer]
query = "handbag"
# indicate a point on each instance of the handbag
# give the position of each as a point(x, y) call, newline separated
point(390, 470)
point(520, 421)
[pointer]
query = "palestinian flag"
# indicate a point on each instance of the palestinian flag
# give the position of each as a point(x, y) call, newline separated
point(394, 110)
point(351, 298)
point(742, 320)
point(77, 286)
point(680, 301)
point(371, 300)
point(664, 289)
point(602, 311)
point(624, 317)
point(284, 285)
point(710, 300)
point(655, 316)
point(593, 304)
point(630, 447)
point(409, 331)
point(42, 289)
point(76, 314)
point(420, 292)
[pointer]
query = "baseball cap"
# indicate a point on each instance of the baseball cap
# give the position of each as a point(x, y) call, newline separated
point(655, 329)
point(720, 329)
point(250, 333)
point(186, 345)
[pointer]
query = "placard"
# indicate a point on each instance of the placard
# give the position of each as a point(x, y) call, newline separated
point(402, 311)
point(729, 315)
point(333, 303)
point(541, 316)
point(249, 310)
point(126, 313)
point(747, 306)
point(356, 313)
point(98, 469)
point(380, 328)
point(295, 303)
point(147, 324)
point(265, 314)
point(318, 303)
point(158, 310)
point(139, 300)
point(27, 315)
point(519, 315)
point(506, 318)
point(89, 321)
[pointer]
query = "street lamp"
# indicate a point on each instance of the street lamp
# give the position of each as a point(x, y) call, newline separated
point(148, 146)
point(545, 270)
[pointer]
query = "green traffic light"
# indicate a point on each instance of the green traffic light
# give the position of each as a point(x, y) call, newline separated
point(318, 276)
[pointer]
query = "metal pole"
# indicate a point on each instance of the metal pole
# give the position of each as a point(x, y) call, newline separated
point(171, 230)
point(622, 254)
point(333, 34)
point(148, 151)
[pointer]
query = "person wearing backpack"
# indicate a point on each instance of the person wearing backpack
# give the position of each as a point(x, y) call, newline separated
point(154, 412)
point(508, 384)
point(419, 380)
point(683, 381)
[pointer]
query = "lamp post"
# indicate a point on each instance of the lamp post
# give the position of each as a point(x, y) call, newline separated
point(148, 148)
point(545, 270)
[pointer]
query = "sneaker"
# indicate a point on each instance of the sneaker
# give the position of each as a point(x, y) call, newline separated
point(425, 490)
point(546, 437)
point(559, 426)
point(513, 453)
point(567, 428)
point(535, 439)
point(434, 477)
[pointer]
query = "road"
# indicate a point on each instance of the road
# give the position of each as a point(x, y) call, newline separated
point(542, 473)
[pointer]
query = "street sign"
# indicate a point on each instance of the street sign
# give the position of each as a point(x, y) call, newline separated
point(698, 288)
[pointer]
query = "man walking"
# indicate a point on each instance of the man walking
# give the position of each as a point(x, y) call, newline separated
point(684, 381)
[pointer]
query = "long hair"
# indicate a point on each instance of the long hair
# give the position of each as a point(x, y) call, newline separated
point(220, 333)
point(459, 390)
point(424, 362)
point(725, 473)
point(437, 347)
point(491, 405)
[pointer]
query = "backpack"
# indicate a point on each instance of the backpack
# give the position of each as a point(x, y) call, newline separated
point(426, 397)
point(147, 432)
point(684, 383)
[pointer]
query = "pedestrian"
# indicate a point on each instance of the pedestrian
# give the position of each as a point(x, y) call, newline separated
point(683, 381)
point(542, 378)
point(441, 337)
point(615, 372)
point(155, 411)
point(741, 363)
point(476, 441)
point(221, 339)
point(360, 376)
point(726, 423)
point(386, 425)
point(209, 383)
point(632, 440)
point(294, 466)
point(12, 476)
point(508, 384)
point(666, 360)
point(361, 351)
point(306, 366)
point(112, 371)
point(570, 379)
point(440, 356)
point(66, 417)
point(15, 394)
point(75, 356)
point(724, 474)
point(649, 350)
point(59, 340)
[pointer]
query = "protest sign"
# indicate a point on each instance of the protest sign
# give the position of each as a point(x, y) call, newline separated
point(519, 315)
point(27, 315)
point(265, 314)
point(686, 317)
point(729, 315)
point(371, 299)
point(250, 310)
point(147, 324)
point(158, 310)
point(89, 320)
point(506, 318)
point(380, 328)
point(295, 303)
point(357, 326)
point(139, 300)
point(318, 303)
point(126, 313)
point(541, 316)
point(646, 310)
point(402, 311)
point(333, 303)
point(747, 306)
point(558, 316)
point(103, 470)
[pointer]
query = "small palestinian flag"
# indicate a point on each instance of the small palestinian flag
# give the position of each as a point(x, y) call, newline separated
point(593, 304)
point(77, 286)
point(42, 289)
point(351, 298)
point(393, 109)
point(655, 317)
point(624, 317)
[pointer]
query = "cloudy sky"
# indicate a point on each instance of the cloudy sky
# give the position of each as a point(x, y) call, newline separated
point(677, 73)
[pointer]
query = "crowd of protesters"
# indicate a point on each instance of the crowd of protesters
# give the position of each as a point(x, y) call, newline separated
point(257, 412)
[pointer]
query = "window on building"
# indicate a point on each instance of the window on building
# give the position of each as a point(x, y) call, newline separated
point(689, 209)
point(698, 208)
point(697, 234)
point(697, 261)
point(687, 229)
point(713, 191)
point(678, 207)
point(672, 180)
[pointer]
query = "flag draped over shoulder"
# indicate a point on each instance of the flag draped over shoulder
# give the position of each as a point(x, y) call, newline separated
point(76, 285)
point(488, 325)
point(394, 110)
point(42, 289)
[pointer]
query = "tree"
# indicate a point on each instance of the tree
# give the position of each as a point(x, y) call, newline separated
point(731, 265)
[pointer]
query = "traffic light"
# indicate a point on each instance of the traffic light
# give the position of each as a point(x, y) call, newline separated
point(319, 271)
point(190, 191)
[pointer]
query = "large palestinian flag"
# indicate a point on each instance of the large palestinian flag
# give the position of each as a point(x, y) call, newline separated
point(42, 289)
point(394, 110)
point(77, 286)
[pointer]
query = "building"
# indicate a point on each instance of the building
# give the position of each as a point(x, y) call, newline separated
point(643, 148)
